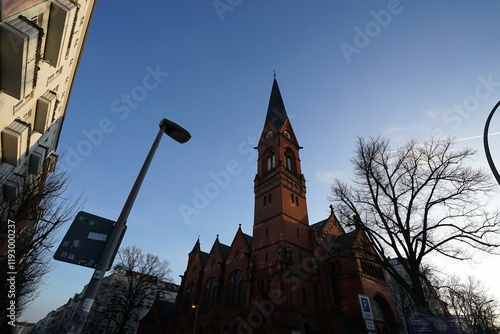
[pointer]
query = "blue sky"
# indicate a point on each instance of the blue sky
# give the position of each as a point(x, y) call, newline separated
point(401, 69)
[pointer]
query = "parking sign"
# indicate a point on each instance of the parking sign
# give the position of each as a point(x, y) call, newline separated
point(366, 309)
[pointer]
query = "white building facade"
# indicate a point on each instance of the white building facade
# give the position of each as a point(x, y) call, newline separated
point(41, 43)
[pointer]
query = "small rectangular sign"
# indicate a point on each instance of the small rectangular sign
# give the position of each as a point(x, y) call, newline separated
point(370, 325)
point(97, 236)
point(433, 325)
point(366, 309)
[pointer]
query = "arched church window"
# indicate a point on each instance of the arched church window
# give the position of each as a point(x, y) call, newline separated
point(288, 160)
point(235, 289)
point(209, 294)
point(381, 309)
point(271, 161)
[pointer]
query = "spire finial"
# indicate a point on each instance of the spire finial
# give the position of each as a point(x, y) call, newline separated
point(274, 74)
point(331, 209)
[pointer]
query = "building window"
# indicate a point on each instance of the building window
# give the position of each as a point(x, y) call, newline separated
point(271, 161)
point(288, 161)
point(235, 289)
point(267, 232)
point(270, 198)
point(265, 199)
point(209, 294)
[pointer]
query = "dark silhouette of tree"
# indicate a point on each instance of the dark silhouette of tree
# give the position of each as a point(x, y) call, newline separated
point(471, 300)
point(38, 210)
point(136, 281)
point(419, 200)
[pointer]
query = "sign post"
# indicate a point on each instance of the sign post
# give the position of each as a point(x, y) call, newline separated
point(85, 240)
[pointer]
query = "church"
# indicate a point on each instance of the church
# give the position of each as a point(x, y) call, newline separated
point(289, 276)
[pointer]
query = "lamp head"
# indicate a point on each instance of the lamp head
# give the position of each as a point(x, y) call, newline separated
point(175, 131)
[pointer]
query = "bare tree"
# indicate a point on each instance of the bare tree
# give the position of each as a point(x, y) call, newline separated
point(38, 211)
point(419, 200)
point(471, 300)
point(136, 281)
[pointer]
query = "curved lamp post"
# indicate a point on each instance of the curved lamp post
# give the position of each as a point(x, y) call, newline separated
point(487, 146)
point(180, 135)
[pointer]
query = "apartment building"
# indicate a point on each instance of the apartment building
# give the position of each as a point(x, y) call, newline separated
point(41, 43)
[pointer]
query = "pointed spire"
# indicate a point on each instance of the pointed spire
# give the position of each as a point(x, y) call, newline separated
point(276, 112)
point(196, 246)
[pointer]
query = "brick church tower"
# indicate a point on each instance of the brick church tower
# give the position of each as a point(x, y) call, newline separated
point(290, 276)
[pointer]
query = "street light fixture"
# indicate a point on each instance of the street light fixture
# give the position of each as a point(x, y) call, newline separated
point(177, 133)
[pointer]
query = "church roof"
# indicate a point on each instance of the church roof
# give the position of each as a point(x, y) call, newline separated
point(165, 310)
point(343, 243)
point(319, 225)
point(224, 249)
point(276, 112)
point(248, 239)
point(204, 257)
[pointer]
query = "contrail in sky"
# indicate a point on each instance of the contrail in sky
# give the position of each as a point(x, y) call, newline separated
point(475, 137)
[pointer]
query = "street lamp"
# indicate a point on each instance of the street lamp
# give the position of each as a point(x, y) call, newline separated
point(196, 307)
point(179, 134)
point(487, 146)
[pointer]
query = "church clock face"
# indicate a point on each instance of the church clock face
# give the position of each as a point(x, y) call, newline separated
point(269, 134)
point(287, 134)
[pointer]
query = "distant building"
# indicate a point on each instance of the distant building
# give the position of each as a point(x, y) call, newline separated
point(100, 320)
point(289, 276)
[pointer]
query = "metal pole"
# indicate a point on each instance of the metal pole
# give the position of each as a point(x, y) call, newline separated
point(81, 314)
point(195, 319)
point(487, 146)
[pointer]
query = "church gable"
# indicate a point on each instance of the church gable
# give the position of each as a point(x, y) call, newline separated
point(239, 252)
point(216, 258)
point(331, 225)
